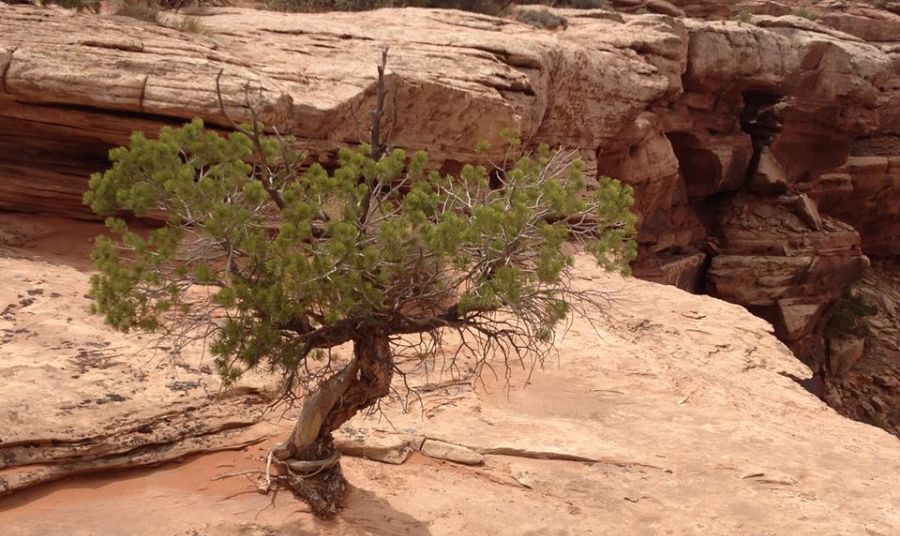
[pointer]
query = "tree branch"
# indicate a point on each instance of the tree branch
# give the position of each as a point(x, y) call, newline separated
point(377, 147)
point(256, 137)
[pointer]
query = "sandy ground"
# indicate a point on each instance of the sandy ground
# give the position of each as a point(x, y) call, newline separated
point(675, 415)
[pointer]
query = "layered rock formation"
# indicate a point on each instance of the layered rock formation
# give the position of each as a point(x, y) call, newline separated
point(79, 398)
point(737, 136)
point(676, 414)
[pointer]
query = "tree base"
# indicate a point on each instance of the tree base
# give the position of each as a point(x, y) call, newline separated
point(323, 492)
point(315, 476)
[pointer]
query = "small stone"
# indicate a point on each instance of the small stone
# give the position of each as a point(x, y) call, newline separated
point(868, 409)
point(451, 452)
point(880, 405)
point(889, 384)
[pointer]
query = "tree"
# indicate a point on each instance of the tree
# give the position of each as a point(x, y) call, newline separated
point(278, 264)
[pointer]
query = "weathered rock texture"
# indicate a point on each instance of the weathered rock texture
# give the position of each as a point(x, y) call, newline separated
point(77, 397)
point(737, 136)
point(671, 416)
point(866, 379)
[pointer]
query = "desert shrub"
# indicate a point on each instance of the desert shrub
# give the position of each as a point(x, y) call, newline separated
point(541, 18)
point(185, 24)
point(744, 16)
point(848, 316)
point(79, 5)
point(805, 13)
point(144, 10)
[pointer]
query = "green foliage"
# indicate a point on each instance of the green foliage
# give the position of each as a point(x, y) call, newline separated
point(290, 261)
point(805, 13)
point(185, 24)
point(848, 316)
point(541, 18)
point(144, 10)
point(744, 16)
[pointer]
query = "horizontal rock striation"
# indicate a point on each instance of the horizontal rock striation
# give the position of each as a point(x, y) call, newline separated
point(79, 398)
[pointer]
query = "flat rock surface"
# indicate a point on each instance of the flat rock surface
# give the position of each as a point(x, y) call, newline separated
point(77, 397)
point(671, 413)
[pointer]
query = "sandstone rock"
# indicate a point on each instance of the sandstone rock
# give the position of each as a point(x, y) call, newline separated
point(886, 382)
point(764, 7)
point(379, 446)
point(754, 225)
point(865, 192)
point(712, 164)
point(789, 263)
point(679, 412)
point(451, 452)
point(798, 317)
point(659, 102)
point(809, 213)
point(843, 353)
point(123, 74)
point(868, 24)
point(643, 157)
point(77, 397)
point(683, 271)
point(769, 176)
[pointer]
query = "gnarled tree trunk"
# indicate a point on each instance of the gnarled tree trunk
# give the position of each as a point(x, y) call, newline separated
point(310, 458)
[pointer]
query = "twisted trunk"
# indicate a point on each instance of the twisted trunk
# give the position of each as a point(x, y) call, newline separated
point(310, 458)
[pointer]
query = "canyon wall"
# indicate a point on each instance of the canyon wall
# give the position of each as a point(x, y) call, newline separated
point(764, 151)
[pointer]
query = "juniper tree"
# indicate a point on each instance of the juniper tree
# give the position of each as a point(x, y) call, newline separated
point(276, 263)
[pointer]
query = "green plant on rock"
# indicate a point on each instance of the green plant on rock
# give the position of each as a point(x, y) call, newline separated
point(186, 24)
point(145, 10)
point(277, 264)
point(541, 18)
point(744, 16)
point(848, 316)
point(805, 13)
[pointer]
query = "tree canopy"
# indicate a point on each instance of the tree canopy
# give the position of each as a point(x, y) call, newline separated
point(301, 260)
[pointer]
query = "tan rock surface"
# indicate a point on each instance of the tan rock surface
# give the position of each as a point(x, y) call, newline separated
point(686, 111)
point(76, 81)
point(672, 414)
point(76, 397)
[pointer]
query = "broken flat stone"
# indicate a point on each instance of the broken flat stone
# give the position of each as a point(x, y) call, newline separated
point(394, 449)
point(442, 450)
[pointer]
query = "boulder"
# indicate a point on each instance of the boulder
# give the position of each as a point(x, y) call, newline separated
point(844, 353)
point(769, 176)
point(374, 445)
